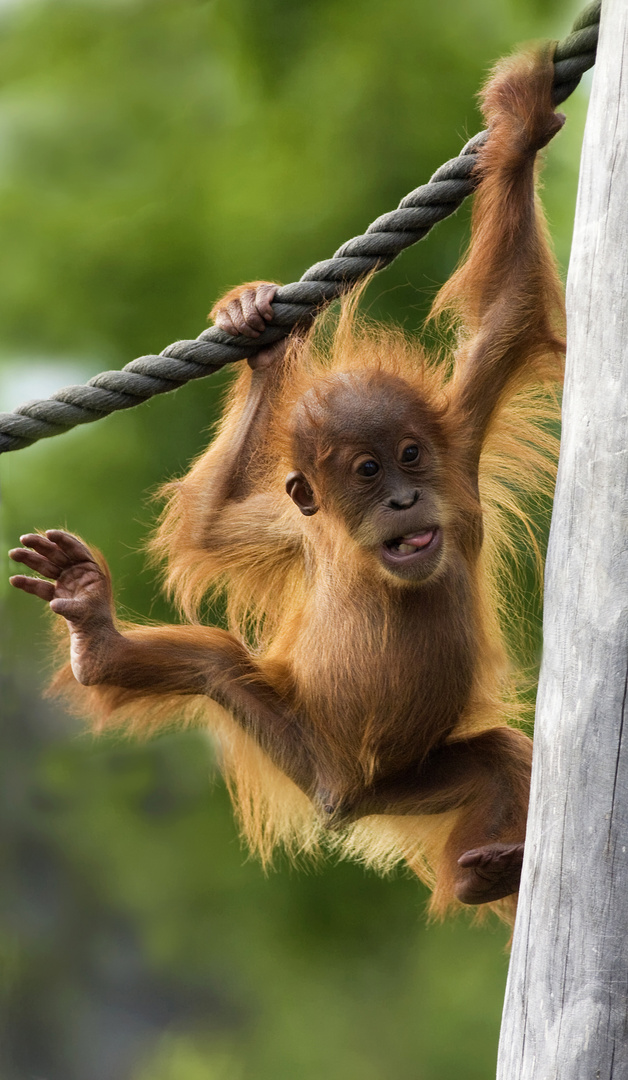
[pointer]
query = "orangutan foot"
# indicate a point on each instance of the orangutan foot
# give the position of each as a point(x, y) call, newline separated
point(489, 873)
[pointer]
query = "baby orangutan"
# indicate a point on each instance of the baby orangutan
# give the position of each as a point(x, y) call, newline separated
point(361, 693)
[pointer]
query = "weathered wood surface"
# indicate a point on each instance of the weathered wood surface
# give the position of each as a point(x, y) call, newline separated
point(566, 1011)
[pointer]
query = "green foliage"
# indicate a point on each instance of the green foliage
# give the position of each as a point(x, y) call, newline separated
point(153, 152)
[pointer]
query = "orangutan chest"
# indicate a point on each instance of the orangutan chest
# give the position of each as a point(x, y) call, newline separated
point(383, 692)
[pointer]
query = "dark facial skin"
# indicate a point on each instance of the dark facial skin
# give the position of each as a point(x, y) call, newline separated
point(381, 472)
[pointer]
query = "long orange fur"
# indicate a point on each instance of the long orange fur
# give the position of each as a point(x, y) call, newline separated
point(261, 563)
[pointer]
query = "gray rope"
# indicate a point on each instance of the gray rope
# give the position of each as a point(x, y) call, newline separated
point(295, 304)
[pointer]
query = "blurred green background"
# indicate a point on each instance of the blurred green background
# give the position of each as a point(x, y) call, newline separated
point(153, 152)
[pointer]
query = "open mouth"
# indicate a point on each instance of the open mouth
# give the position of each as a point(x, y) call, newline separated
point(408, 549)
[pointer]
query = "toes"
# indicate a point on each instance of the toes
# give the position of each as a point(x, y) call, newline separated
point(489, 873)
point(471, 858)
point(483, 892)
point(493, 857)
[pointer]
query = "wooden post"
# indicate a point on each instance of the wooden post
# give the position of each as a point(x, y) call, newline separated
point(566, 1011)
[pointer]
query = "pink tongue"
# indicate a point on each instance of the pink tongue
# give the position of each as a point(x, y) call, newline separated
point(419, 541)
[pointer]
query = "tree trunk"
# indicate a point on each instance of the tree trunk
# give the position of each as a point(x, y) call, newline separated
point(566, 1011)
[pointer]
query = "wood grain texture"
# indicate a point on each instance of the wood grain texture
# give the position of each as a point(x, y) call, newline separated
point(566, 1010)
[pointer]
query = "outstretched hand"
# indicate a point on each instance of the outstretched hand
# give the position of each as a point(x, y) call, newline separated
point(77, 588)
point(78, 584)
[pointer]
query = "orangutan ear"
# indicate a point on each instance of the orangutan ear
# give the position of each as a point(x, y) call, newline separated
point(301, 493)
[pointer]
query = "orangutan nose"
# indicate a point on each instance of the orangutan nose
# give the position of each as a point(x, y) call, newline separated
point(403, 500)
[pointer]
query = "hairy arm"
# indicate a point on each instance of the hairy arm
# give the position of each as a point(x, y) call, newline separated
point(159, 660)
point(245, 311)
point(507, 291)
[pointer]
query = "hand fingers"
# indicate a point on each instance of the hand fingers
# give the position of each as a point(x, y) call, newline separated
point(39, 563)
point(70, 609)
point(248, 312)
point(37, 586)
point(264, 295)
point(223, 321)
point(58, 547)
point(236, 310)
point(70, 545)
point(249, 309)
point(44, 546)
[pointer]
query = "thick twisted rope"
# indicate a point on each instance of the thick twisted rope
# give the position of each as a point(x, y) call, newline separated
point(295, 304)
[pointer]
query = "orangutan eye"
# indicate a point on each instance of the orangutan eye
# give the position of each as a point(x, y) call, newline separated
point(410, 453)
point(368, 468)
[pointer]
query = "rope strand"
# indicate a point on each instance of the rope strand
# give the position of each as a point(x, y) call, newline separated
point(298, 303)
